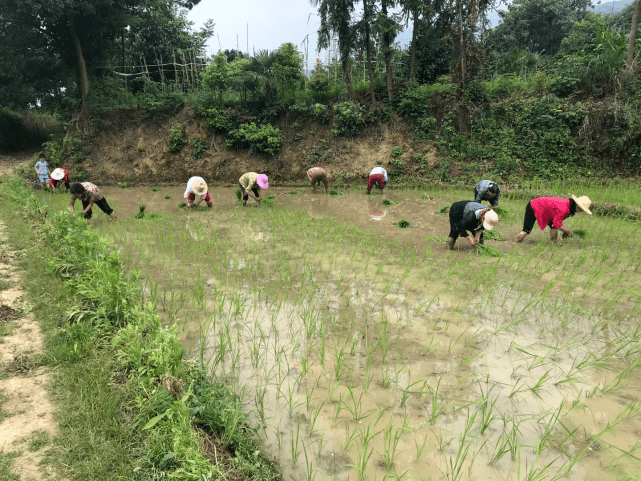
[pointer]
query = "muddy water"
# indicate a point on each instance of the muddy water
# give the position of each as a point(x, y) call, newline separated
point(363, 350)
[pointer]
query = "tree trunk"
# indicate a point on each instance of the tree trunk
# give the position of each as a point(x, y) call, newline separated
point(84, 118)
point(370, 73)
point(410, 77)
point(347, 78)
point(387, 53)
point(633, 34)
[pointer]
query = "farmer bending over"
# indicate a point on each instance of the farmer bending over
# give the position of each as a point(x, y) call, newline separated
point(377, 176)
point(552, 211)
point(58, 178)
point(467, 215)
point(249, 184)
point(89, 194)
point(196, 186)
point(316, 176)
point(487, 190)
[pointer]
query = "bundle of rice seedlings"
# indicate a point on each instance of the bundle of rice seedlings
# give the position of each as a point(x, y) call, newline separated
point(182, 205)
point(389, 202)
point(335, 192)
point(141, 211)
point(501, 211)
point(443, 209)
point(239, 194)
point(483, 250)
point(436, 239)
point(403, 224)
point(492, 234)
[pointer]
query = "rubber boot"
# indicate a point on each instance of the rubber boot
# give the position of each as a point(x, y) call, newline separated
point(554, 235)
point(450, 243)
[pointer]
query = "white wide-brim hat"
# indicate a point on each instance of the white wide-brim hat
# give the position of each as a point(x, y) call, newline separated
point(199, 187)
point(58, 174)
point(490, 220)
point(584, 203)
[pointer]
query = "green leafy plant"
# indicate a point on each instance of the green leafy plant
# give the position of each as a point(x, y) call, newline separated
point(348, 119)
point(198, 147)
point(389, 202)
point(396, 151)
point(167, 197)
point(176, 139)
point(320, 112)
point(265, 138)
point(154, 189)
point(443, 210)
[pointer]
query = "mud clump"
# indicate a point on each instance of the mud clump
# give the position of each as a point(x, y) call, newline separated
point(7, 314)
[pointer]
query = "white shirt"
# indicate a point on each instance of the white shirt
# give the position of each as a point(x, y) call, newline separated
point(379, 170)
point(190, 182)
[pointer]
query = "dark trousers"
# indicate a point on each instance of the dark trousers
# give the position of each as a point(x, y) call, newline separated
point(530, 219)
point(245, 196)
point(102, 204)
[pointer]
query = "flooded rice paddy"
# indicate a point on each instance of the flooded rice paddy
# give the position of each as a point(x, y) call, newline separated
point(366, 351)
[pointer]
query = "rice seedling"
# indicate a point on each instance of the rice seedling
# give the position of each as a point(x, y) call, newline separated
point(182, 205)
point(389, 202)
point(492, 234)
point(141, 211)
point(403, 223)
point(443, 210)
point(364, 453)
point(154, 189)
point(335, 192)
point(485, 250)
point(167, 197)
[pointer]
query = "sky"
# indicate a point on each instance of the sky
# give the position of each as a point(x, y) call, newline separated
point(252, 25)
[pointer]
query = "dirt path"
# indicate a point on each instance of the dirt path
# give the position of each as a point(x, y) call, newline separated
point(26, 415)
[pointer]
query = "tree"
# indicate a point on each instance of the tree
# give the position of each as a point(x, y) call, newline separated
point(387, 28)
point(537, 25)
point(80, 31)
point(261, 69)
point(288, 71)
point(335, 17)
point(633, 34)
point(364, 29)
point(220, 73)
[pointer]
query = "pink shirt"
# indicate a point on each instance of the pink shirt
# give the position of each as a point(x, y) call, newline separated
point(550, 209)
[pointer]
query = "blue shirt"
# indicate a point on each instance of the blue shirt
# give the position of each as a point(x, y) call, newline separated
point(482, 192)
point(43, 167)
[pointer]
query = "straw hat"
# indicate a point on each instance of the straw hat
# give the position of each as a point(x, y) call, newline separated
point(58, 174)
point(583, 203)
point(490, 220)
point(262, 181)
point(199, 187)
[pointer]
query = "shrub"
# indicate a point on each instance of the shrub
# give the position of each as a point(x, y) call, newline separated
point(319, 83)
point(156, 100)
point(415, 102)
point(347, 119)
point(216, 119)
point(198, 147)
point(176, 140)
point(265, 138)
point(320, 112)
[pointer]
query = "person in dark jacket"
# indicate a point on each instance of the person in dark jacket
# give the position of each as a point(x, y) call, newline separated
point(467, 215)
point(487, 190)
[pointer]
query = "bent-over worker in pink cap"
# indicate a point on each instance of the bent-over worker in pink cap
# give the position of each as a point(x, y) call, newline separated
point(552, 211)
point(196, 186)
point(249, 184)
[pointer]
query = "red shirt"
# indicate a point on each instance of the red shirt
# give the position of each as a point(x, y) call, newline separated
point(550, 209)
point(64, 179)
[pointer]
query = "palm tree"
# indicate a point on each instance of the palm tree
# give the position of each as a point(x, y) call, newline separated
point(261, 69)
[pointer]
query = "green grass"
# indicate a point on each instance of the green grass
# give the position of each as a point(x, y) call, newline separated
point(38, 440)
point(6, 461)
point(3, 399)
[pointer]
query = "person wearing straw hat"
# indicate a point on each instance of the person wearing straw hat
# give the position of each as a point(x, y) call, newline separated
point(377, 176)
point(196, 186)
point(42, 169)
point(59, 177)
point(316, 176)
point(249, 184)
point(468, 215)
point(487, 190)
point(551, 212)
point(89, 194)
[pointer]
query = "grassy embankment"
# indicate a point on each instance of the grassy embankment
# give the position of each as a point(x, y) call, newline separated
point(128, 405)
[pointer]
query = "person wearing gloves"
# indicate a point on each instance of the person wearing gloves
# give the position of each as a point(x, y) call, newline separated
point(249, 184)
point(59, 177)
point(316, 176)
point(468, 215)
point(196, 186)
point(487, 190)
point(551, 212)
point(377, 176)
